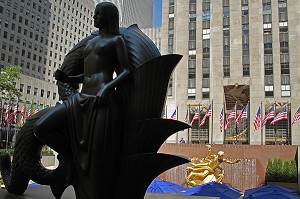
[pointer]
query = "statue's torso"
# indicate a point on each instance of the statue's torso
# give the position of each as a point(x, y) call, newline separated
point(99, 63)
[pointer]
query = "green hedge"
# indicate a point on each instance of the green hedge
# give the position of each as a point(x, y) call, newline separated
point(11, 151)
point(279, 170)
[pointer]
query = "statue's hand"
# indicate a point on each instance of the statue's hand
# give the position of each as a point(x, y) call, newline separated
point(102, 96)
point(61, 76)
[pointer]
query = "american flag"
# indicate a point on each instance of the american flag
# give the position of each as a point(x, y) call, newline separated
point(186, 119)
point(10, 119)
point(257, 120)
point(16, 112)
point(173, 116)
point(0, 108)
point(296, 117)
point(36, 109)
point(269, 115)
point(221, 120)
point(231, 116)
point(282, 115)
point(207, 114)
point(23, 111)
point(29, 111)
point(196, 116)
point(3, 124)
point(243, 114)
point(7, 112)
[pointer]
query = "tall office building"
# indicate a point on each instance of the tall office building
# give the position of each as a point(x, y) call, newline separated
point(235, 53)
point(134, 12)
point(154, 35)
point(36, 35)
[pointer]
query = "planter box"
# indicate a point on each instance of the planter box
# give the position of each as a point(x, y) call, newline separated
point(289, 185)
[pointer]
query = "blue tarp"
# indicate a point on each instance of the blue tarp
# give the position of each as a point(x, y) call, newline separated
point(213, 189)
point(33, 184)
point(275, 194)
point(162, 186)
point(269, 192)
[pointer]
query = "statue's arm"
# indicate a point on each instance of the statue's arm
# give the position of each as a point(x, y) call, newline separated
point(123, 71)
point(209, 156)
point(63, 77)
point(231, 162)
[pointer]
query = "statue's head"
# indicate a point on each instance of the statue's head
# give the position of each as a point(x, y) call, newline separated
point(220, 154)
point(107, 16)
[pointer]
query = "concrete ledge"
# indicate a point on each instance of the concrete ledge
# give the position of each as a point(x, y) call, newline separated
point(44, 192)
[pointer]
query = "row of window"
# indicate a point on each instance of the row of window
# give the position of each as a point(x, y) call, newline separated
point(38, 92)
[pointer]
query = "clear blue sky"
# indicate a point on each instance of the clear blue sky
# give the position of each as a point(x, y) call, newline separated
point(157, 11)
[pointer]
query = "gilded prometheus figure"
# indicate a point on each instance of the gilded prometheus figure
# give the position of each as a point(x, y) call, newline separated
point(207, 169)
point(107, 134)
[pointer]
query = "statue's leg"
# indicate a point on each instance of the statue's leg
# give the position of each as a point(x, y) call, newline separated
point(51, 129)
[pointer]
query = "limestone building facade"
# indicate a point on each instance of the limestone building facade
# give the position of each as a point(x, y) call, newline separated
point(134, 12)
point(36, 35)
point(235, 53)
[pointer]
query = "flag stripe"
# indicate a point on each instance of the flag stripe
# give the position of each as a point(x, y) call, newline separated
point(296, 117)
point(269, 115)
point(282, 115)
point(196, 116)
point(208, 113)
point(257, 120)
point(173, 116)
point(221, 120)
point(231, 116)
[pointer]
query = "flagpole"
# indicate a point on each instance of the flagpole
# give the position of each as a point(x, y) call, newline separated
point(177, 114)
point(288, 119)
point(212, 122)
point(248, 119)
point(236, 141)
point(275, 122)
point(198, 123)
point(223, 125)
point(8, 124)
point(166, 111)
point(261, 128)
point(188, 119)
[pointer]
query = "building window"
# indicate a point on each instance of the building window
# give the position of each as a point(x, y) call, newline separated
point(269, 91)
point(2, 57)
point(205, 93)
point(21, 87)
point(28, 89)
point(170, 87)
point(285, 90)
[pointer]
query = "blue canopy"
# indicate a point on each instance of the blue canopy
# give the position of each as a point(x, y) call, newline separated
point(249, 193)
point(275, 194)
point(213, 189)
point(162, 186)
point(33, 184)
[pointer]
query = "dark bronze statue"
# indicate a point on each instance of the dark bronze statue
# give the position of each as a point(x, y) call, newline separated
point(108, 135)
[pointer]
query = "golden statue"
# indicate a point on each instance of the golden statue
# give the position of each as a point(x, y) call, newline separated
point(206, 169)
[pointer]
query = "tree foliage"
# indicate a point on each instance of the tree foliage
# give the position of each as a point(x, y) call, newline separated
point(7, 77)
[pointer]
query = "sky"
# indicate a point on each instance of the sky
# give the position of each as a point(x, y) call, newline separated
point(157, 12)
